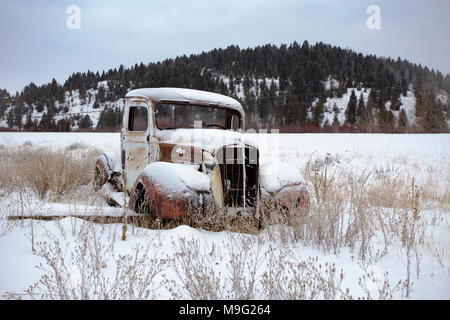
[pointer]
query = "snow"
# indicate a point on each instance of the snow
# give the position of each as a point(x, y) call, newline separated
point(41, 208)
point(330, 83)
point(276, 175)
point(409, 105)
point(111, 163)
point(107, 141)
point(341, 104)
point(175, 177)
point(183, 95)
point(415, 154)
point(442, 97)
point(254, 87)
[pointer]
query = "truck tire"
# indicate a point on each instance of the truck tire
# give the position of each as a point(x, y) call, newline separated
point(100, 175)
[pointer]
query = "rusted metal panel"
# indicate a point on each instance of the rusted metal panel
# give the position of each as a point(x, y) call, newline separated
point(180, 153)
point(296, 196)
point(135, 161)
point(166, 206)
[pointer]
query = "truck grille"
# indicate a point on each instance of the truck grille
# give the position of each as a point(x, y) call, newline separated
point(234, 179)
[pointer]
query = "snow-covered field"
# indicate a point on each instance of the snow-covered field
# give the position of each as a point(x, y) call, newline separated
point(89, 260)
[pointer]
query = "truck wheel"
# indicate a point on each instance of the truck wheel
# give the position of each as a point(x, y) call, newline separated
point(141, 200)
point(106, 171)
point(100, 175)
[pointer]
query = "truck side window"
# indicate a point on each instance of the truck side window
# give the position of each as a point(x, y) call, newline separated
point(137, 119)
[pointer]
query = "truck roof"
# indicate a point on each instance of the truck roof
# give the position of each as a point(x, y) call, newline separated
point(183, 95)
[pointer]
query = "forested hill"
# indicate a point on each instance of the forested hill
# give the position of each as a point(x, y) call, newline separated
point(297, 88)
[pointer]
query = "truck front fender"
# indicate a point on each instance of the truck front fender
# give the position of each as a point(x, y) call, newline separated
point(282, 182)
point(170, 190)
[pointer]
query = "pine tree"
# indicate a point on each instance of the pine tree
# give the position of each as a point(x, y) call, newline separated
point(29, 124)
point(385, 120)
point(82, 94)
point(318, 114)
point(365, 121)
point(360, 105)
point(395, 103)
point(63, 125)
point(2, 108)
point(231, 86)
point(85, 122)
point(351, 111)
point(303, 113)
point(10, 118)
point(292, 110)
point(101, 95)
point(264, 107)
point(429, 112)
point(47, 122)
point(336, 124)
point(434, 119)
point(272, 91)
point(246, 85)
point(402, 125)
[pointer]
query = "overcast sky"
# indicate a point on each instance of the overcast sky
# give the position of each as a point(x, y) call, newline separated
point(37, 45)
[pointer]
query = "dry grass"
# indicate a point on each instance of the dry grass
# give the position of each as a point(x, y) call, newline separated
point(253, 271)
point(348, 210)
point(50, 174)
point(90, 267)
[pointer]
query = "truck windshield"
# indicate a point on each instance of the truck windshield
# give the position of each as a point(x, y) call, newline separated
point(172, 116)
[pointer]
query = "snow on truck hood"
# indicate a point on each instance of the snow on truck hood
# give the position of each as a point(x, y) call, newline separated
point(207, 139)
point(177, 177)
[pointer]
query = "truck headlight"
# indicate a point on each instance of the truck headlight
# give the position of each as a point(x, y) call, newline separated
point(208, 162)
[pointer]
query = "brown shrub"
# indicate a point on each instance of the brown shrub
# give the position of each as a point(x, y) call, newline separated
point(47, 172)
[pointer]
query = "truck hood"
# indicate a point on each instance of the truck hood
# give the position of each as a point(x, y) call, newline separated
point(206, 139)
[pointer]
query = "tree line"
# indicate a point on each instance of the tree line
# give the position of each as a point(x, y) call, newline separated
point(279, 86)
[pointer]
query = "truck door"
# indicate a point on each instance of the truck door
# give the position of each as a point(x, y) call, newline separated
point(136, 130)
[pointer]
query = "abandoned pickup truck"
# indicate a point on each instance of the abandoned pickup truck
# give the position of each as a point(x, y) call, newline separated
point(184, 150)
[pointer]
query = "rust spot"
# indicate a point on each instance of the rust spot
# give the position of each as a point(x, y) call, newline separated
point(294, 196)
point(136, 158)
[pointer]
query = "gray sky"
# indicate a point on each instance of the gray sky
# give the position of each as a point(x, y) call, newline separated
point(37, 45)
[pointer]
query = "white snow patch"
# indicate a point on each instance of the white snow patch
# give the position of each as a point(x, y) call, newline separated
point(177, 177)
point(276, 175)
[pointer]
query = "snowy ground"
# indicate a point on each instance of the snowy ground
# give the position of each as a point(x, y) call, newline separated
point(225, 263)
